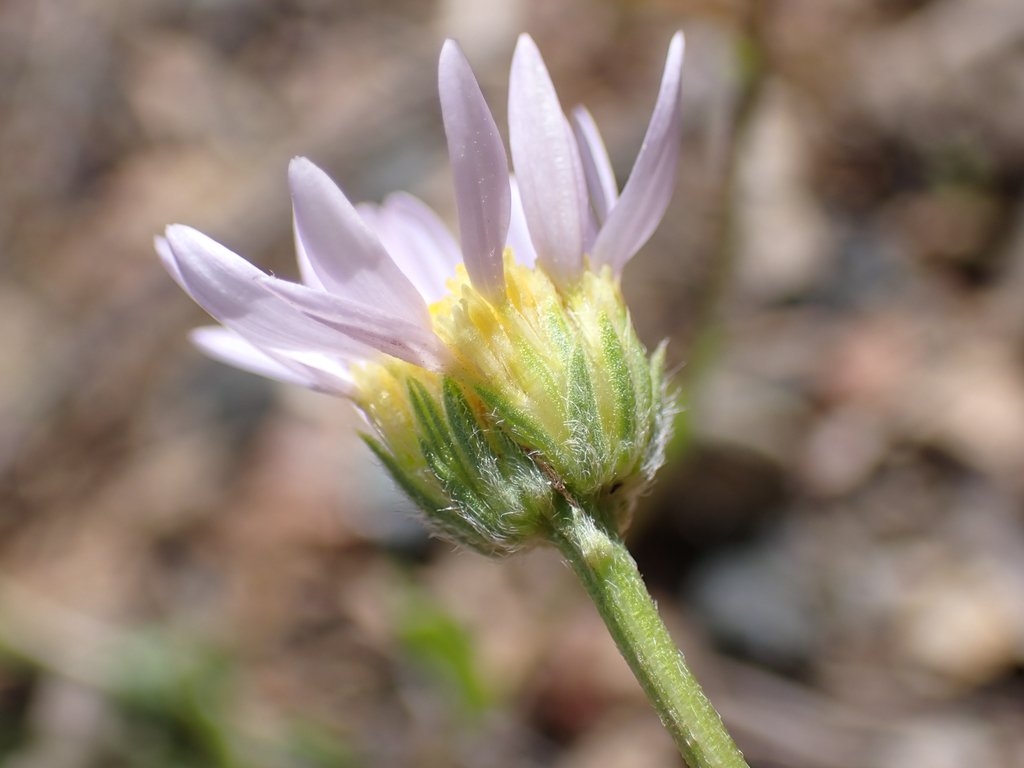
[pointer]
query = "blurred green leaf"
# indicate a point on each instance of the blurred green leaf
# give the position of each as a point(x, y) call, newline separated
point(442, 648)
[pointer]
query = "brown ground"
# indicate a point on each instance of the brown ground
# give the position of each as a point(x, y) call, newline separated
point(200, 568)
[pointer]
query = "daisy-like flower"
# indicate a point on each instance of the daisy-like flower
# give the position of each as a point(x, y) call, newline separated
point(500, 374)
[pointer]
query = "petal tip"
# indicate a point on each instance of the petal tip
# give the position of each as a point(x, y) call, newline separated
point(676, 49)
point(302, 170)
point(526, 52)
point(179, 233)
point(525, 39)
point(450, 48)
point(295, 166)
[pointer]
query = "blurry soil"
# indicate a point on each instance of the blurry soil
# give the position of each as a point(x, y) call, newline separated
point(201, 568)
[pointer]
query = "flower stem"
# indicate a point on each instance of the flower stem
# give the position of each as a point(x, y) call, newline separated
point(610, 576)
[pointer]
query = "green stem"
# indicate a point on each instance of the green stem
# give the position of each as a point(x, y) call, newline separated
point(610, 576)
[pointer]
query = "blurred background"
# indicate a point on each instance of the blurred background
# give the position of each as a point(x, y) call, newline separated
point(202, 568)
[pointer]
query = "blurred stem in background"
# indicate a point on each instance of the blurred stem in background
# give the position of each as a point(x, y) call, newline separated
point(708, 343)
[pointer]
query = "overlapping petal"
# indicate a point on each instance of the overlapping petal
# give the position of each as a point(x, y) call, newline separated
point(237, 294)
point(547, 165)
point(597, 168)
point(399, 337)
point(479, 168)
point(344, 253)
point(518, 231)
point(420, 216)
point(369, 273)
point(227, 346)
point(276, 314)
point(648, 190)
point(417, 240)
point(306, 271)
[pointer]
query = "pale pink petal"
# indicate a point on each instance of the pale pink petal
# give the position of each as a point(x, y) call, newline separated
point(647, 192)
point(227, 346)
point(306, 272)
point(312, 370)
point(417, 213)
point(404, 339)
point(276, 314)
point(237, 294)
point(596, 166)
point(582, 195)
point(479, 168)
point(547, 165)
point(518, 233)
point(166, 254)
point(370, 214)
point(326, 374)
point(417, 242)
point(344, 253)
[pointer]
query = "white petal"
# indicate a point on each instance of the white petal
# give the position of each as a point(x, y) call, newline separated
point(163, 250)
point(417, 241)
point(479, 168)
point(327, 375)
point(344, 253)
point(596, 166)
point(238, 295)
point(647, 192)
point(417, 213)
point(227, 346)
point(589, 217)
point(547, 165)
point(518, 233)
point(406, 340)
point(306, 271)
point(311, 370)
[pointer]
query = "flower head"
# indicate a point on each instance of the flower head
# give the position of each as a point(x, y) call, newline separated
point(500, 374)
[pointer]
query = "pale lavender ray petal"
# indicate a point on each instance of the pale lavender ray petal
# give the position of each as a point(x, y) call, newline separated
point(597, 168)
point(327, 374)
point(582, 195)
point(306, 271)
point(276, 314)
point(404, 339)
point(479, 168)
point(370, 214)
point(400, 248)
point(414, 210)
point(166, 254)
point(345, 254)
point(518, 233)
point(312, 370)
point(647, 193)
point(236, 293)
point(229, 347)
point(367, 212)
point(546, 163)
point(418, 243)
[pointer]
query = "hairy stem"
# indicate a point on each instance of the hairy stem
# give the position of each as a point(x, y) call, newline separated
point(610, 576)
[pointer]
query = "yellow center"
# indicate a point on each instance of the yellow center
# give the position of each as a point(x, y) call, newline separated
point(560, 370)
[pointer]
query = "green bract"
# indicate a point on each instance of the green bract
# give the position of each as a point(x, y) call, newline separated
point(550, 396)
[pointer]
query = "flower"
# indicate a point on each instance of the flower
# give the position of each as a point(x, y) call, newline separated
point(501, 374)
